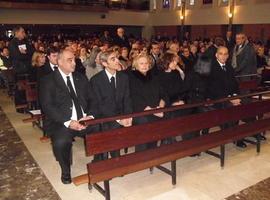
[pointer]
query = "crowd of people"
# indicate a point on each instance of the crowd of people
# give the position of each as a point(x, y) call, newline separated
point(97, 77)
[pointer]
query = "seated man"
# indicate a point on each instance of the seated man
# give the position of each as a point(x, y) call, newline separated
point(64, 100)
point(222, 83)
point(111, 96)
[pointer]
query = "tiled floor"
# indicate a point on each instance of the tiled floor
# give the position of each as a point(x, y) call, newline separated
point(20, 176)
point(198, 178)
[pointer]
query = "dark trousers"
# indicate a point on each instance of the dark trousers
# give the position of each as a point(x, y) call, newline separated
point(185, 112)
point(226, 125)
point(103, 156)
point(144, 120)
point(62, 139)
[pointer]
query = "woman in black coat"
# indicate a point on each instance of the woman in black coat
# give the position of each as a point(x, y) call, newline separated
point(146, 94)
point(172, 83)
point(171, 80)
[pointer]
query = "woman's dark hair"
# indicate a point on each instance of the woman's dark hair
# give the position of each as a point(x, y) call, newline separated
point(165, 61)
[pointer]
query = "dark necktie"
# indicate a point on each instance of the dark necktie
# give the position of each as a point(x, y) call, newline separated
point(75, 99)
point(55, 67)
point(113, 85)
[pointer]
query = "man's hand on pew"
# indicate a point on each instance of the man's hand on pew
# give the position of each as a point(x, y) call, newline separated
point(75, 125)
point(236, 102)
point(126, 122)
point(86, 118)
point(178, 103)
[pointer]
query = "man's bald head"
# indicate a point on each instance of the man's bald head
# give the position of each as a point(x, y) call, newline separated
point(222, 54)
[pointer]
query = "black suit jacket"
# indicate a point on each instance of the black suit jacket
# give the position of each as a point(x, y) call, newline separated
point(20, 62)
point(221, 83)
point(56, 102)
point(102, 100)
point(121, 42)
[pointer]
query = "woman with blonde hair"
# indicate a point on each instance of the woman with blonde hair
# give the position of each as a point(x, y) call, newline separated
point(38, 61)
point(146, 93)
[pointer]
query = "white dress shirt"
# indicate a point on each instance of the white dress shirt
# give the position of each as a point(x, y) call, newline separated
point(109, 75)
point(74, 113)
point(52, 66)
point(222, 65)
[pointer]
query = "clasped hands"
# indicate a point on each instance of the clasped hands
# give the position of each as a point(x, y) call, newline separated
point(77, 126)
point(161, 114)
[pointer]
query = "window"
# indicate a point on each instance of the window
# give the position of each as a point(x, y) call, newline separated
point(192, 2)
point(179, 3)
point(154, 4)
point(223, 2)
point(166, 3)
point(207, 1)
point(9, 33)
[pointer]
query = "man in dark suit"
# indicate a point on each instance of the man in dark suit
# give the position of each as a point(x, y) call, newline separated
point(222, 83)
point(229, 41)
point(64, 98)
point(121, 39)
point(155, 56)
point(111, 96)
point(51, 63)
point(21, 51)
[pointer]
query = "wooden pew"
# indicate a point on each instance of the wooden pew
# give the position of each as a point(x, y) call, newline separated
point(105, 170)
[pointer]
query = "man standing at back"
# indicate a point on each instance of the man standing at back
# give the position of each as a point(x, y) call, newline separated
point(20, 52)
point(244, 59)
point(64, 98)
point(121, 39)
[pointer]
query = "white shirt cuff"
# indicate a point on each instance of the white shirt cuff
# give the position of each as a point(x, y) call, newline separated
point(67, 123)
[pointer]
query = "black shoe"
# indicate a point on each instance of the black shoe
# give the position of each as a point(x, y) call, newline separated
point(241, 144)
point(262, 137)
point(195, 155)
point(66, 178)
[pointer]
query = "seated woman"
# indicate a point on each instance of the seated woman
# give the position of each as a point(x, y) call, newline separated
point(84, 57)
point(170, 79)
point(187, 59)
point(261, 59)
point(38, 60)
point(171, 82)
point(123, 58)
point(146, 94)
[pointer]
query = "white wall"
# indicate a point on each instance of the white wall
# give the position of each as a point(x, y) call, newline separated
point(251, 12)
point(22, 16)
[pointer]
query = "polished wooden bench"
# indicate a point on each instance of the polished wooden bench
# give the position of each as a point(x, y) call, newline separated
point(105, 170)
